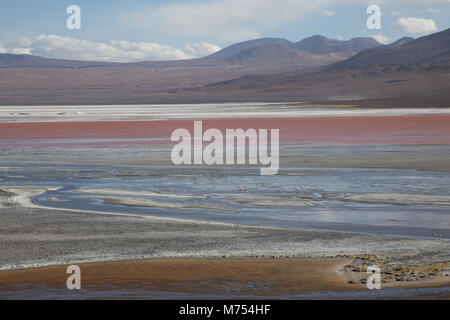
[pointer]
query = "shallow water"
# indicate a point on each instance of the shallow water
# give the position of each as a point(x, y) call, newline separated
point(42, 292)
point(303, 198)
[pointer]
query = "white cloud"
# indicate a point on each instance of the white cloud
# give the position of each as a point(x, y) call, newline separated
point(221, 20)
point(381, 39)
point(416, 25)
point(54, 46)
point(200, 49)
point(217, 21)
point(328, 13)
point(19, 50)
point(20, 46)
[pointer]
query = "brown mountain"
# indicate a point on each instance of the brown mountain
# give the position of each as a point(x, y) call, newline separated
point(277, 55)
point(315, 69)
point(433, 47)
point(401, 41)
point(29, 61)
point(323, 45)
point(309, 50)
point(400, 73)
point(27, 79)
point(237, 48)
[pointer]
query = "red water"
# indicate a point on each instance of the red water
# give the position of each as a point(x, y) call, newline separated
point(430, 129)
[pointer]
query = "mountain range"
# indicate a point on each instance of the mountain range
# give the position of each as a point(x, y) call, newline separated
point(269, 69)
point(315, 51)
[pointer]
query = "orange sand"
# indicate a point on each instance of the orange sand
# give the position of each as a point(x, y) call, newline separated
point(280, 276)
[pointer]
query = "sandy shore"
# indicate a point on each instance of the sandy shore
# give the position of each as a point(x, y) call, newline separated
point(33, 237)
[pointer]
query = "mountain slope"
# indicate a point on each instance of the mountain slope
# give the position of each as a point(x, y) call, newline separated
point(28, 79)
point(246, 45)
point(323, 45)
point(417, 68)
point(432, 47)
point(401, 41)
point(29, 61)
point(282, 56)
point(268, 70)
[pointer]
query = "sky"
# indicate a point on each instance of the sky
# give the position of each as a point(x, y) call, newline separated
point(136, 30)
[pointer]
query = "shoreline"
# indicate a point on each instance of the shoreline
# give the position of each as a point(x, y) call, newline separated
point(25, 200)
point(212, 270)
point(25, 194)
point(208, 111)
point(351, 267)
point(219, 278)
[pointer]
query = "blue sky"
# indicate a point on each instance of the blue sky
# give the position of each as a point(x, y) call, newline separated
point(178, 29)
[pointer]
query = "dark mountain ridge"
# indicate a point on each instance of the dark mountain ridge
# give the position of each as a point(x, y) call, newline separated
point(402, 72)
point(237, 48)
point(425, 49)
point(323, 45)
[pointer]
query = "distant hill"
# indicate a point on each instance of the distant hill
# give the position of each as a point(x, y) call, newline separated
point(259, 51)
point(401, 41)
point(434, 47)
point(277, 55)
point(403, 70)
point(323, 45)
point(28, 61)
point(276, 49)
point(237, 48)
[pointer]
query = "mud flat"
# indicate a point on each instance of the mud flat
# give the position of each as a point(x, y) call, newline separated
point(140, 193)
point(271, 201)
point(142, 203)
point(32, 237)
point(288, 278)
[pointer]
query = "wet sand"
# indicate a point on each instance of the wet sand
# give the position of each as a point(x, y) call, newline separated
point(290, 278)
point(253, 277)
